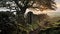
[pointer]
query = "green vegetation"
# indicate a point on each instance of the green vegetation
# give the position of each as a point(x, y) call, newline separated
point(32, 24)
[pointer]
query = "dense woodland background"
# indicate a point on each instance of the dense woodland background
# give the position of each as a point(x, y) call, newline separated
point(14, 21)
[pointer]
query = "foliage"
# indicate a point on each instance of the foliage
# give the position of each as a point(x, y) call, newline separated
point(18, 21)
point(7, 23)
point(40, 4)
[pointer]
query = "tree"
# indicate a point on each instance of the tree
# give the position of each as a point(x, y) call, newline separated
point(39, 4)
point(25, 4)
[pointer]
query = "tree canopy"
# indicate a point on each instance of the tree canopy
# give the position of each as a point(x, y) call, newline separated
point(40, 4)
point(18, 21)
